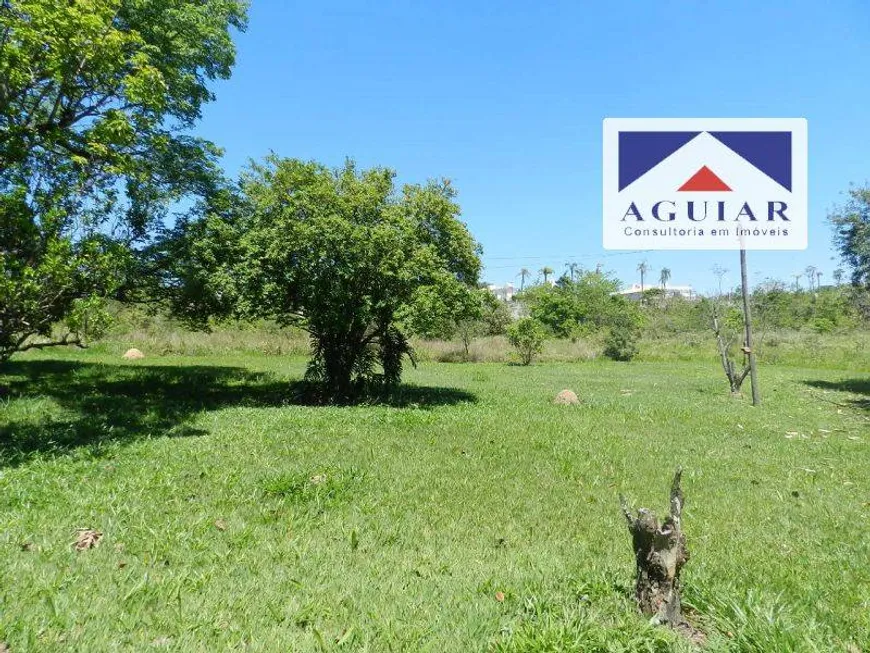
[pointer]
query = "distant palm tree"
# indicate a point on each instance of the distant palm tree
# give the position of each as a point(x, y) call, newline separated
point(797, 281)
point(810, 272)
point(819, 274)
point(664, 277)
point(572, 269)
point(522, 275)
point(642, 267)
point(546, 271)
point(838, 276)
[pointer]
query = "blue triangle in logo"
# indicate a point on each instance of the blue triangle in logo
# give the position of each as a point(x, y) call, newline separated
point(770, 152)
point(639, 152)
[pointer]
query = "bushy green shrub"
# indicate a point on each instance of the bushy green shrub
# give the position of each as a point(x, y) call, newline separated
point(822, 325)
point(572, 307)
point(527, 336)
point(622, 340)
point(581, 307)
point(495, 314)
point(620, 345)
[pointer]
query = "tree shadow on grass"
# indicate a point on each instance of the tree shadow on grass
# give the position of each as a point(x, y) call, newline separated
point(860, 387)
point(95, 404)
point(304, 393)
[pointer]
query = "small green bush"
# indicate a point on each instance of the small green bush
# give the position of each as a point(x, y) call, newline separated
point(527, 336)
point(822, 325)
point(621, 341)
point(620, 345)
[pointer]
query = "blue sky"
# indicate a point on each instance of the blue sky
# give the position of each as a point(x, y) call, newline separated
point(507, 99)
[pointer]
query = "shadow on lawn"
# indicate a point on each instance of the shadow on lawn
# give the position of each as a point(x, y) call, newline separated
point(121, 403)
point(859, 387)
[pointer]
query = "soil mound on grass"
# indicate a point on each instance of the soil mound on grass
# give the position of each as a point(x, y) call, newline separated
point(566, 398)
point(133, 355)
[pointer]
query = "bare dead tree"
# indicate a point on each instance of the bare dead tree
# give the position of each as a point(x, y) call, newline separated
point(723, 344)
point(660, 553)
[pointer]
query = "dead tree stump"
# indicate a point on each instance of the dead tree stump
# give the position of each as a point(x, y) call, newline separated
point(660, 552)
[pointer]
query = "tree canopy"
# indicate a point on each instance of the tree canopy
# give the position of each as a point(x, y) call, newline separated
point(851, 223)
point(340, 253)
point(95, 102)
point(584, 305)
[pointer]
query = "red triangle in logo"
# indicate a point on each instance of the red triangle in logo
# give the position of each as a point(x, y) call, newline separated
point(704, 180)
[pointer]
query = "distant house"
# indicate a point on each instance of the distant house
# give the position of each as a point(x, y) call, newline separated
point(634, 293)
point(505, 293)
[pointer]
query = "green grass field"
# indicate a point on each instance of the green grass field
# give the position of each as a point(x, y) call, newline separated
point(234, 518)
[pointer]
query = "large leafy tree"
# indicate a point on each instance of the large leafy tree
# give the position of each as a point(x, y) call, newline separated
point(851, 223)
point(96, 99)
point(340, 253)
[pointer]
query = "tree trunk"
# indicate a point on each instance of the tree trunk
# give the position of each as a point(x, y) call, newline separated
point(338, 364)
point(660, 553)
point(747, 321)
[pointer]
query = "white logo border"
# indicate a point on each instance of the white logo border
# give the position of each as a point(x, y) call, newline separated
point(610, 169)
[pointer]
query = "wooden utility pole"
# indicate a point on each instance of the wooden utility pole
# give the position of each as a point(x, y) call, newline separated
point(747, 321)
